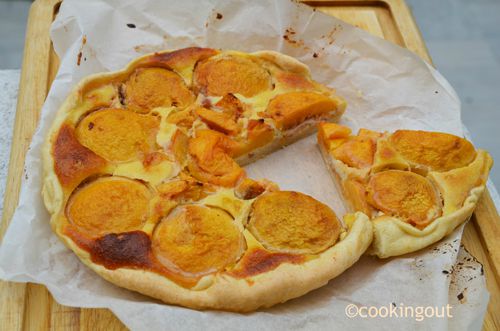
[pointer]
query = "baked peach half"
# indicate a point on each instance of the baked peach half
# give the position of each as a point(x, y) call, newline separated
point(259, 134)
point(292, 108)
point(210, 160)
point(148, 88)
point(433, 150)
point(292, 222)
point(197, 240)
point(218, 76)
point(117, 134)
point(355, 151)
point(407, 195)
point(109, 205)
point(218, 121)
point(182, 118)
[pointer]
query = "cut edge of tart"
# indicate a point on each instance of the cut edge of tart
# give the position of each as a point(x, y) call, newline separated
point(414, 185)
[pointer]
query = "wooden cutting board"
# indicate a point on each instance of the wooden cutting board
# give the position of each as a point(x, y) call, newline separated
point(31, 307)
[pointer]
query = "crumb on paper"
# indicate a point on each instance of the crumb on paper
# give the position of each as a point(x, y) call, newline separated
point(289, 37)
point(216, 15)
point(80, 53)
point(131, 25)
point(462, 296)
point(329, 37)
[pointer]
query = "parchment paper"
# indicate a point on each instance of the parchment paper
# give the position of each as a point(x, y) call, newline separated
point(387, 88)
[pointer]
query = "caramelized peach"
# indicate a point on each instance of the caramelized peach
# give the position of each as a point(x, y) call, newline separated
point(210, 161)
point(356, 152)
point(259, 134)
point(435, 150)
point(117, 134)
point(109, 205)
point(250, 189)
point(293, 222)
point(148, 88)
point(332, 135)
point(179, 146)
point(184, 189)
point(217, 121)
point(373, 135)
point(333, 131)
point(153, 159)
point(406, 195)
point(163, 206)
point(172, 188)
point(291, 109)
point(231, 74)
point(183, 118)
point(230, 105)
point(196, 240)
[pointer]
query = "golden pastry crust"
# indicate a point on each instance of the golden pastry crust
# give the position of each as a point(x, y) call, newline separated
point(248, 290)
point(143, 178)
point(418, 188)
point(73, 162)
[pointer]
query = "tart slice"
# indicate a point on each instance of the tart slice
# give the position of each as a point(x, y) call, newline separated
point(416, 186)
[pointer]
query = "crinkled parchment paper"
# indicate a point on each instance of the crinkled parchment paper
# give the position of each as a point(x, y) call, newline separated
point(387, 88)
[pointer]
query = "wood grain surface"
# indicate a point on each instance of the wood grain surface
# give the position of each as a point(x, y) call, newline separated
point(31, 307)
